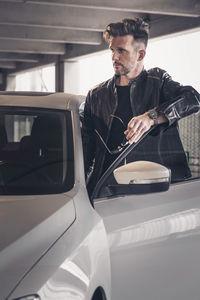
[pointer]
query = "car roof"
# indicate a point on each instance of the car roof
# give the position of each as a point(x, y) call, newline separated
point(41, 100)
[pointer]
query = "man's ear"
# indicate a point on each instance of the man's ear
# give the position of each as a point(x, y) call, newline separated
point(142, 54)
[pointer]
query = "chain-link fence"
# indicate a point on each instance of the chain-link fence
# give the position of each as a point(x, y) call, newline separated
point(190, 136)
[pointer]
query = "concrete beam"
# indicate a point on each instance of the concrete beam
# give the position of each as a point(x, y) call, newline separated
point(159, 28)
point(169, 7)
point(172, 25)
point(7, 65)
point(73, 52)
point(65, 17)
point(62, 17)
point(31, 47)
point(44, 60)
point(54, 35)
point(19, 57)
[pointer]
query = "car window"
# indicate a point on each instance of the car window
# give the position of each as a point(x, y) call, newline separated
point(161, 145)
point(36, 151)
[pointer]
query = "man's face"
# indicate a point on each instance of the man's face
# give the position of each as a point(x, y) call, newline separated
point(125, 54)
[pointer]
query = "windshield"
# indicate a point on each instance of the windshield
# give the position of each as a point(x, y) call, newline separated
point(36, 151)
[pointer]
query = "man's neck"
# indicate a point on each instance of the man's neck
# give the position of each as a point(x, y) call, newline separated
point(124, 80)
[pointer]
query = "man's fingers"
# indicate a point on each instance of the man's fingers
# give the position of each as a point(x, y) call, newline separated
point(133, 127)
point(134, 135)
point(137, 127)
point(137, 136)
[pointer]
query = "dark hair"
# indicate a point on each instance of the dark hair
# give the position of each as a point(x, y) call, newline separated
point(136, 27)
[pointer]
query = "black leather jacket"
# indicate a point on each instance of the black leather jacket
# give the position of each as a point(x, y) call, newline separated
point(153, 88)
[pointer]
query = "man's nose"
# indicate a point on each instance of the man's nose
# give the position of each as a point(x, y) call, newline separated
point(115, 56)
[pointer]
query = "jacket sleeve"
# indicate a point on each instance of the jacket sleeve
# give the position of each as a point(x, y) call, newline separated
point(88, 137)
point(179, 101)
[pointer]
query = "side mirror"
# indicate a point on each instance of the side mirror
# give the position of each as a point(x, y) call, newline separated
point(141, 177)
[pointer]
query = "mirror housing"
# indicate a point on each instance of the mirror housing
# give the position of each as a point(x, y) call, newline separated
point(141, 172)
point(140, 177)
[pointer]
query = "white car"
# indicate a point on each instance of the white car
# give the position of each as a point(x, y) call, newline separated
point(137, 239)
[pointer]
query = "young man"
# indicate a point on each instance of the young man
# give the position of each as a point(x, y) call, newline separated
point(130, 103)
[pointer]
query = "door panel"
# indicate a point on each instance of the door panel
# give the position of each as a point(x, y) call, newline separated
point(154, 243)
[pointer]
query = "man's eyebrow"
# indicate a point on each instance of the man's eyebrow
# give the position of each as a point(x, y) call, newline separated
point(118, 48)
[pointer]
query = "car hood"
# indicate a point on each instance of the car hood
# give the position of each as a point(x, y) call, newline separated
point(29, 225)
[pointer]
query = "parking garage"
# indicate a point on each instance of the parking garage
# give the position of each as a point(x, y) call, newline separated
point(136, 241)
point(60, 33)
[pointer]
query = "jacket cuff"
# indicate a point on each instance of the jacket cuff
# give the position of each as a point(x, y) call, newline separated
point(182, 107)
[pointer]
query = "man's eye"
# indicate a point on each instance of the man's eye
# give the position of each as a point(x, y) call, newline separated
point(120, 50)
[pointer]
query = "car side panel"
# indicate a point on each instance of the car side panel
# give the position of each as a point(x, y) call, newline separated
point(29, 232)
point(154, 243)
point(77, 263)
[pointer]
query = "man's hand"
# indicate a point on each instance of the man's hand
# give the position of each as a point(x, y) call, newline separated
point(137, 127)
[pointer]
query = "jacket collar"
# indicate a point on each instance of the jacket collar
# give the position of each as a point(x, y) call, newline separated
point(132, 81)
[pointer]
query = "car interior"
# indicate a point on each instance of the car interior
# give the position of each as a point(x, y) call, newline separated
point(36, 158)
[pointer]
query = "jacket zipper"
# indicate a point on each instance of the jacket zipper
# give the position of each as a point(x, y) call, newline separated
point(109, 127)
point(133, 85)
point(115, 108)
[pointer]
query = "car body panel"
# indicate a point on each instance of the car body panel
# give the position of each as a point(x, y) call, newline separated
point(25, 224)
point(61, 247)
point(74, 266)
point(54, 245)
point(155, 240)
point(52, 101)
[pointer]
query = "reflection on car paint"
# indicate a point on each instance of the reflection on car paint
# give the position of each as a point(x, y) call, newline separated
point(75, 270)
point(161, 228)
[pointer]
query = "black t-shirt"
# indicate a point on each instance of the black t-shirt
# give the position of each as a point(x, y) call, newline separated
point(124, 112)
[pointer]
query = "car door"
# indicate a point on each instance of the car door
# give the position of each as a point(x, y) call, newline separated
point(154, 241)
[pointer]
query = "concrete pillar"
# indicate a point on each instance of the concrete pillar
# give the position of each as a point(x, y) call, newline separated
point(11, 82)
point(60, 75)
point(3, 80)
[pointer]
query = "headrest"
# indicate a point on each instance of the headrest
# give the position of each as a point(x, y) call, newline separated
point(47, 132)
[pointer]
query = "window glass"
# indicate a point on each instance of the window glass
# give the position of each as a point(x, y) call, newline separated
point(39, 80)
point(36, 151)
point(163, 145)
point(21, 125)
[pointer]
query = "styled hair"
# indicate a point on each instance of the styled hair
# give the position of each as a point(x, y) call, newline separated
point(136, 27)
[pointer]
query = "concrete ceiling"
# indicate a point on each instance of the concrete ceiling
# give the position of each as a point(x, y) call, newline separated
point(35, 32)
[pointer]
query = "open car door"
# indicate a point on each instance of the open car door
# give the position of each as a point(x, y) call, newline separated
point(153, 229)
